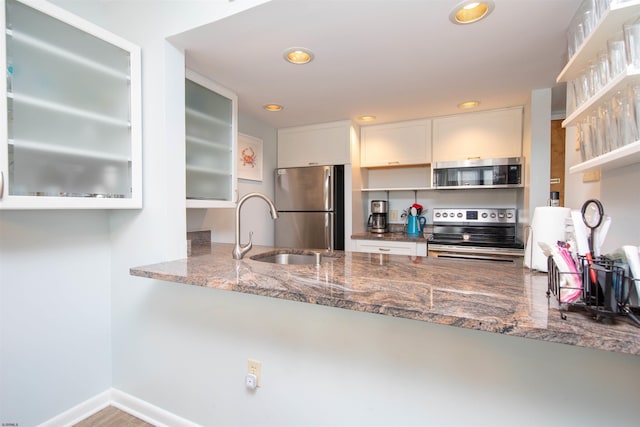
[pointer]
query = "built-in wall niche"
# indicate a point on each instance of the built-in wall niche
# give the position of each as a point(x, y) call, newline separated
point(397, 178)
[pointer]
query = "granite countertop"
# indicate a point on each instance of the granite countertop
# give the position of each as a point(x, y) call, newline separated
point(499, 298)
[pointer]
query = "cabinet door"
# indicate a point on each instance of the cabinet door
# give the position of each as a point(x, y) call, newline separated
point(324, 144)
point(482, 135)
point(72, 136)
point(211, 141)
point(396, 144)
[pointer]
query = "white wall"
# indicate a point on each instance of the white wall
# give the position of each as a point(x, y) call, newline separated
point(255, 214)
point(55, 312)
point(64, 274)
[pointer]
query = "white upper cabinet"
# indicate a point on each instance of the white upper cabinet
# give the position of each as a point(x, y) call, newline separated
point(322, 144)
point(211, 143)
point(72, 103)
point(481, 135)
point(396, 144)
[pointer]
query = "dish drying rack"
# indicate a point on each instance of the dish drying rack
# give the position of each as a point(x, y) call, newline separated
point(605, 297)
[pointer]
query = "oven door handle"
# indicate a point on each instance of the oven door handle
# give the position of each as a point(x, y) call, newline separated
point(475, 257)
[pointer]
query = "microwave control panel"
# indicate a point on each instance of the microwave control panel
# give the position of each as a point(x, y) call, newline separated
point(466, 215)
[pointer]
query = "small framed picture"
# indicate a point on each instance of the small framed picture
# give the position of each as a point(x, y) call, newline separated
point(249, 157)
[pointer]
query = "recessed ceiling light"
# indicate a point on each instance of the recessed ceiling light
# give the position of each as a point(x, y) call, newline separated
point(366, 118)
point(298, 55)
point(273, 107)
point(470, 11)
point(469, 104)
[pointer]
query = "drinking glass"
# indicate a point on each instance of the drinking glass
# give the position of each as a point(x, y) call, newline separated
point(632, 42)
point(609, 128)
point(601, 8)
point(593, 78)
point(603, 68)
point(624, 117)
point(581, 127)
point(588, 17)
point(634, 91)
point(617, 55)
point(583, 87)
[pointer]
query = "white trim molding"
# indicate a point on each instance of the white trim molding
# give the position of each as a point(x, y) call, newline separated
point(132, 405)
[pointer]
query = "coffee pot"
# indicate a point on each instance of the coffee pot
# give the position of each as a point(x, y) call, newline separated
point(378, 219)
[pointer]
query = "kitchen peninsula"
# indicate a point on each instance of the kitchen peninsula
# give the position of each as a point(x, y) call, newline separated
point(476, 295)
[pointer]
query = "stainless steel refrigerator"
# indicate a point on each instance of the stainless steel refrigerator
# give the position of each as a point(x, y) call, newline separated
point(310, 202)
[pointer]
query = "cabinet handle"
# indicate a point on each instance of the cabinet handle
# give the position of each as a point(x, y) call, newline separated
point(313, 163)
point(384, 249)
point(1, 184)
point(473, 158)
point(393, 163)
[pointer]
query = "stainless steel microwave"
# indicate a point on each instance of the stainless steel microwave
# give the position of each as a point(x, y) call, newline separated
point(478, 173)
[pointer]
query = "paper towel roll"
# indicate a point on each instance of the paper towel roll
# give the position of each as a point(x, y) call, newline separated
point(548, 226)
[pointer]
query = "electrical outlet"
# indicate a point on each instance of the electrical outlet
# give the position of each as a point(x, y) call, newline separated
point(254, 367)
point(393, 215)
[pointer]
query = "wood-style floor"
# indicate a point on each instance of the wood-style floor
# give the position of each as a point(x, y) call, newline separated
point(112, 417)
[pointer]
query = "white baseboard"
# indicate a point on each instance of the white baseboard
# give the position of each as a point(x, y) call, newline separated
point(123, 401)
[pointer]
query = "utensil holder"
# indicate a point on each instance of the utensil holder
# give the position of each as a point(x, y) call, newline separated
point(605, 297)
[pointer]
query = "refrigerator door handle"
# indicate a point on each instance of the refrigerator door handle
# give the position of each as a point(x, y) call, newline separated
point(329, 231)
point(328, 189)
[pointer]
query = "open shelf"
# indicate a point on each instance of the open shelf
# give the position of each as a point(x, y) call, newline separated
point(609, 24)
point(631, 75)
point(620, 157)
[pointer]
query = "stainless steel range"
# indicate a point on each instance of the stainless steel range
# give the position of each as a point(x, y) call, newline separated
point(486, 233)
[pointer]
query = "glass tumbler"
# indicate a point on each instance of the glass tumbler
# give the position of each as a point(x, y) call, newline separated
point(624, 118)
point(602, 6)
point(609, 128)
point(634, 93)
point(632, 42)
point(581, 127)
point(617, 55)
point(603, 68)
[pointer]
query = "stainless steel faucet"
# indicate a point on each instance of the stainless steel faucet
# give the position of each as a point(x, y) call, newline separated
point(238, 249)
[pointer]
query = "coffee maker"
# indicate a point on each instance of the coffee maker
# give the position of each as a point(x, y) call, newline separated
point(378, 218)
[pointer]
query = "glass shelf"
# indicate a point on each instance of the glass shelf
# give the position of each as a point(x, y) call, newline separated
point(67, 109)
point(65, 150)
point(207, 143)
point(24, 39)
point(205, 170)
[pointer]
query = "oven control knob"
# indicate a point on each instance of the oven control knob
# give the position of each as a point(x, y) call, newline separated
point(459, 215)
point(437, 214)
point(493, 215)
point(501, 215)
point(509, 215)
point(444, 215)
point(484, 214)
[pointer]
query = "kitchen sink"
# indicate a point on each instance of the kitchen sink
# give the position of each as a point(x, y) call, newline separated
point(295, 257)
